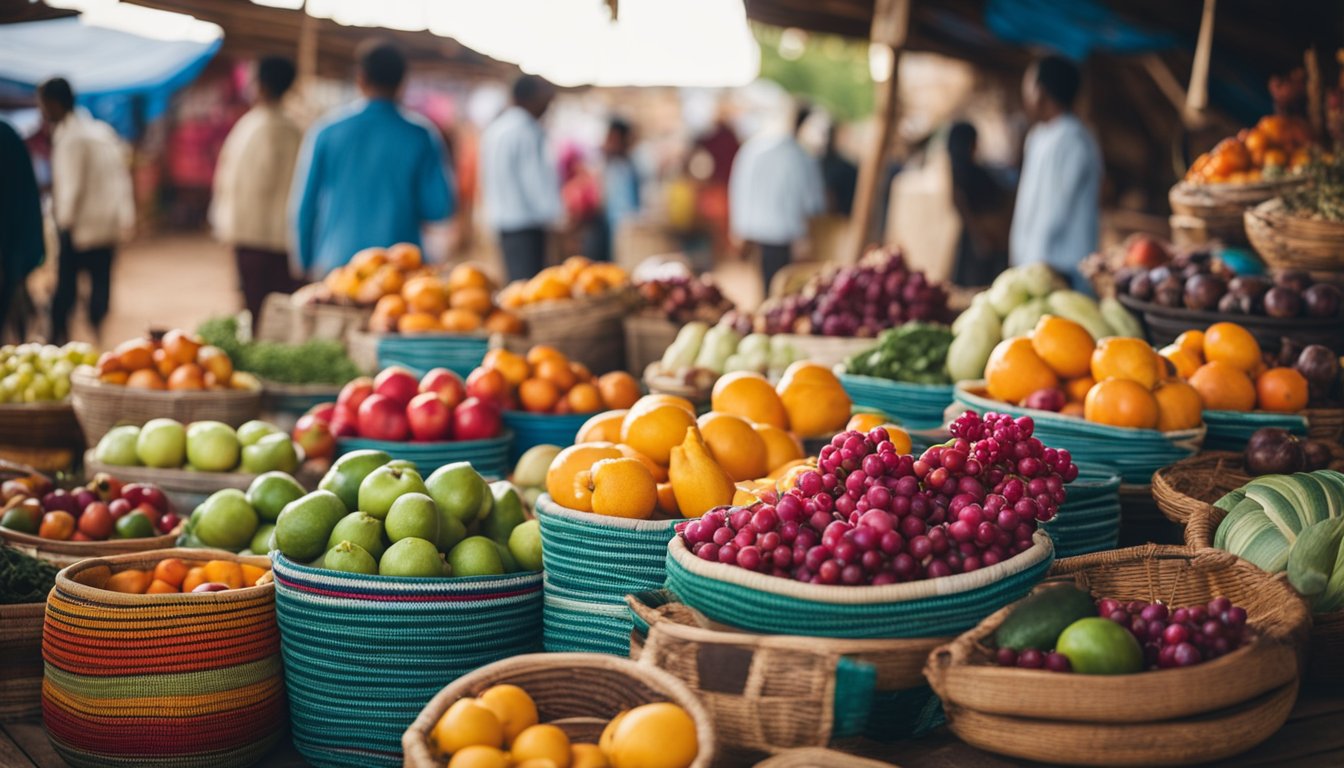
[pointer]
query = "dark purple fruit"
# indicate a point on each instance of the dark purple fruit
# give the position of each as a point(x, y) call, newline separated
point(1320, 367)
point(1141, 287)
point(1170, 292)
point(1235, 304)
point(1202, 292)
point(1159, 274)
point(1322, 300)
point(1273, 451)
point(1248, 285)
point(1316, 455)
point(1293, 278)
point(1283, 302)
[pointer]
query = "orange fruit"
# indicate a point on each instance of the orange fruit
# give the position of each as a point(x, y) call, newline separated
point(568, 463)
point(619, 389)
point(1179, 406)
point(224, 572)
point(1014, 370)
point(538, 395)
point(1181, 359)
point(580, 371)
point(405, 256)
point(367, 261)
point(658, 471)
point(749, 395)
point(1224, 387)
point(132, 581)
point(660, 735)
point(160, 587)
point(814, 399)
point(648, 401)
point(667, 501)
point(1121, 403)
point(547, 286)
point(541, 352)
point(418, 322)
point(544, 742)
point(145, 378)
point(392, 305)
point(511, 365)
point(479, 756)
point(171, 570)
point(512, 705)
point(605, 426)
point(252, 574)
point(1192, 341)
point(467, 276)
point(459, 320)
point(1230, 343)
point(621, 487)
point(587, 756)
point(738, 448)
point(654, 430)
point(1064, 345)
point(1076, 389)
point(1281, 389)
point(194, 578)
point(555, 371)
point(573, 266)
point(514, 295)
point(467, 723)
point(1120, 357)
point(781, 446)
point(584, 398)
point(424, 293)
point(135, 354)
point(1073, 408)
point(504, 321)
point(475, 299)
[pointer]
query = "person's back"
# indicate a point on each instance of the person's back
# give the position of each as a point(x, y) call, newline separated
point(776, 188)
point(90, 181)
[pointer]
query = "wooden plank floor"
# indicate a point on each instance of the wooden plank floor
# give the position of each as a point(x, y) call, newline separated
point(1312, 737)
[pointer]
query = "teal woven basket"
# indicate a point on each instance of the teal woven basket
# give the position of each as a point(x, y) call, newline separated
point(531, 429)
point(459, 353)
point(932, 608)
point(918, 406)
point(591, 563)
point(1089, 520)
point(295, 399)
point(1135, 453)
point(364, 654)
point(1229, 430)
point(489, 457)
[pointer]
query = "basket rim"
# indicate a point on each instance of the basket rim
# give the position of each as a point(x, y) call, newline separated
point(1209, 318)
point(965, 389)
point(1264, 185)
point(878, 381)
point(1274, 209)
point(84, 381)
point(545, 504)
point(167, 477)
point(363, 580)
point(1042, 548)
point(21, 540)
point(65, 578)
point(64, 404)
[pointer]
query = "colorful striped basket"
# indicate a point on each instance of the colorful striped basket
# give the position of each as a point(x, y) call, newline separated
point(532, 429)
point(178, 680)
point(490, 457)
point(363, 654)
point(1089, 520)
point(918, 406)
point(592, 562)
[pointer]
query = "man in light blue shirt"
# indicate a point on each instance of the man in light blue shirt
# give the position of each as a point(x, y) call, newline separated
point(519, 185)
point(774, 190)
point(1058, 199)
point(369, 175)
point(620, 185)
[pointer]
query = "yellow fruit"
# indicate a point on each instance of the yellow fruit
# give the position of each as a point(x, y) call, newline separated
point(1232, 344)
point(816, 402)
point(1064, 345)
point(1179, 406)
point(698, 482)
point(568, 463)
point(536, 762)
point(605, 426)
point(750, 396)
point(1181, 359)
point(667, 500)
point(587, 756)
point(604, 742)
point(658, 471)
point(1121, 403)
point(514, 708)
point(649, 401)
point(734, 445)
point(654, 430)
point(619, 488)
point(479, 756)
point(1120, 357)
point(545, 742)
point(781, 446)
point(654, 736)
point(1224, 387)
point(466, 723)
point(1192, 341)
point(1014, 371)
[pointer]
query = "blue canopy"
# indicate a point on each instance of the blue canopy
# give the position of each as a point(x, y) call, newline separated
point(123, 78)
point(1074, 29)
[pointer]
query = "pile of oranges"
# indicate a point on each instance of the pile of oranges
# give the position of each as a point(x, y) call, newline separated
point(430, 303)
point(1224, 363)
point(172, 576)
point(1277, 141)
point(374, 273)
point(546, 381)
point(178, 361)
point(576, 277)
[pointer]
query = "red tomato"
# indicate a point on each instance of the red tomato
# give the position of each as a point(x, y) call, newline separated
point(96, 521)
point(57, 525)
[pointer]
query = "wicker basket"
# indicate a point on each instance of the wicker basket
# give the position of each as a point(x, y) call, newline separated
point(290, 319)
point(65, 553)
point(1187, 487)
point(827, 350)
point(646, 339)
point(1214, 211)
point(21, 660)
point(587, 330)
point(815, 757)
point(1162, 325)
point(40, 425)
point(101, 407)
point(1288, 241)
point(579, 692)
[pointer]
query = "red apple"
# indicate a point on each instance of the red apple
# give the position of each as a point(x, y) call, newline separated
point(430, 419)
point(314, 436)
point(143, 493)
point(354, 392)
point(96, 521)
point(119, 508)
point(488, 384)
point(446, 384)
point(382, 418)
point(322, 412)
point(476, 419)
point(150, 512)
point(1147, 253)
point(397, 384)
point(344, 428)
point(168, 522)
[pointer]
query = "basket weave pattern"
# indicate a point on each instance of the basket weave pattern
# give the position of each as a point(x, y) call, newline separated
point(21, 660)
point(100, 407)
point(1287, 241)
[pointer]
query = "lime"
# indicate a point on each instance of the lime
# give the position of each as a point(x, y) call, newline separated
point(1097, 646)
point(133, 526)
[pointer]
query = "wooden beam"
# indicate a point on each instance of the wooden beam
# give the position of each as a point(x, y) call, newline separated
point(1197, 95)
point(891, 20)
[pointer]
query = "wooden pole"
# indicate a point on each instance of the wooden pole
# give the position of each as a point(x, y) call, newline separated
point(890, 25)
point(306, 55)
point(1197, 95)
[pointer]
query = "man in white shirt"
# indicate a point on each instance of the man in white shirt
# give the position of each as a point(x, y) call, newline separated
point(252, 178)
point(518, 181)
point(1059, 196)
point(92, 200)
point(774, 190)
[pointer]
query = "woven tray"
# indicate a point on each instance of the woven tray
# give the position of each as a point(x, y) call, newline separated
point(100, 407)
point(1288, 241)
point(916, 406)
point(65, 553)
point(21, 660)
point(587, 330)
point(646, 339)
point(40, 425)
point(1161, 325)
point(579, 692)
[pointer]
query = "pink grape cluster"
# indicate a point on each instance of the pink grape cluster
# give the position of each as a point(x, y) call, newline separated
point(869, 515)
point(1182, 637)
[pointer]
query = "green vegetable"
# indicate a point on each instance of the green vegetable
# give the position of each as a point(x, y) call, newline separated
point(312, 362)
point(682, 351)
point(914, 352)
point(24, 579)
point(1281, 522)
point(1037, 619)
point(1312, 556)
point(719, 344)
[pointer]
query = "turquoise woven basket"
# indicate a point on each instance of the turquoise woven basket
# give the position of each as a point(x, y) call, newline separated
point(918, 406)
point(489, 457)
point(1229, 430)
point(459, 353)
point(932, 608)
point(1089, 520)
point(531, 429)
point(1135, 453)
point(591, 563)
point(364, 654)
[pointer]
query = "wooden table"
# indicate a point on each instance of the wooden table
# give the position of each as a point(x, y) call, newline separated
point(1312, 737)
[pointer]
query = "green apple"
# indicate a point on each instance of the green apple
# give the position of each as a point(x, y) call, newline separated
point(451, 531)
point(360, 529)
point(118, 447)
point(413, 515)
point(226, 520)
point(411, 557)
point(212, 446)
point(476, 556)
point(270, 453)
point(460, 491)
point(506, 558)
point(133, 526)
point(525, 545)
point(384, 486)
point(250, 432)
point(505, 514)
point(349, 557)
point(263, 540)
point(271, 491)
point(305, 524)
point(162, 443)
point(348, 472)
point(530, 471)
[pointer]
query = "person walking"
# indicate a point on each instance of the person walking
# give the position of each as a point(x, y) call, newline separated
point(92, 200)
point(620, 186)
point(1057, 214)
point(371, 174)
point(252, 178)
point(518, 182)
point(22, 248)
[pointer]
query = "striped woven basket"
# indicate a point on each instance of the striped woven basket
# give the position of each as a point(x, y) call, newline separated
point(179, 680)
point(1089, 519)
point(363, 654)
point(917, 406)
point(592, 562)
point(533, 429)
point(490, 457)
point(21, 660)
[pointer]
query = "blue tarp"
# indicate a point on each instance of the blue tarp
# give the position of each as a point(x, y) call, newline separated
point(122, 78)
point(1073, 29)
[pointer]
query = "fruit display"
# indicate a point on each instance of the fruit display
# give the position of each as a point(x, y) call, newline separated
point(395, 406)
point(370, 275)
point(318, 361)
point(1277, 145)
point(682, 297)
point(35, 373)
point(500, 729)
point(103, 509)
point(546, 381)
point(372, 515)
point(575, 278)
point(1196, 280)
point(878, 292)
point(430, 303)
point(1276, 451)
point(915, 353)
point(173, 576)
point(1015, 304)
point(202, 446)
point(870, 515)
point(1061, 629)
point(239, 521)
point(701, 353)
point(176, 361)
point(1224, 363)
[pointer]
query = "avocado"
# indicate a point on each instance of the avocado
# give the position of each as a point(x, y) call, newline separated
point(1038, 618)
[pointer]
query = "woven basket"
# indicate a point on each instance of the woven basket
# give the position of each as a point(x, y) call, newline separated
point(363, 654)
point(774, 692)
point(1215, 210)
point(65, 553)
point(587, 330)
point(1288, 241)
point(815, 757)
point(100, 407)
point(21, 660)
point(40, 425)
point(161, 680)
point(592, 562)
point(1185, 488)
point(646, 339)
point(579, 692)
point(1089, 519)
point(288, 319)
point(827, 350)
point(1229, 430)
point(295, 399)
point(533, 429)
point(1161, 325)
point(489, 457)
point(917, 406)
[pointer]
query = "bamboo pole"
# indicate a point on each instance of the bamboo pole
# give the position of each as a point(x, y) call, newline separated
point(1197, 95)
point(891, 20)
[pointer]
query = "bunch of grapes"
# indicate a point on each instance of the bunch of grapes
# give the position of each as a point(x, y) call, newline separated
point(869, 515)
point(1182, 637)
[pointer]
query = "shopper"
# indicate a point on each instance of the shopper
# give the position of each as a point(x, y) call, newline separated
point(841, 176)
point(1058, 199)
point(620, 184)
point(519, 183)
point(92, 201)
point(21, 244)
point(369, 175)
point(982, 205)
point(252, 177)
